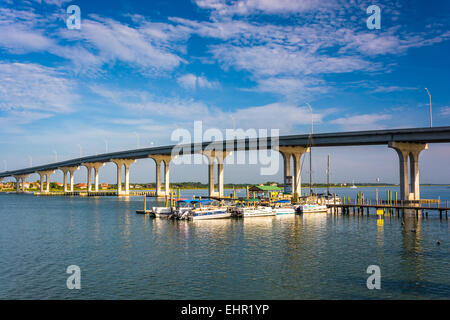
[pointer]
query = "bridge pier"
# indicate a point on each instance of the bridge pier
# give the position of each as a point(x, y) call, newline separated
point(159, 158)
point(288, 152)
point(411, 151)
point(65, 171)
point(220, 156)
point(45, 174)
point(126, 163)
point(20, 181)
point(96, 166)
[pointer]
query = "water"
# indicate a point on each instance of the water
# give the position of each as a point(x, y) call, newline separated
point(123, 255)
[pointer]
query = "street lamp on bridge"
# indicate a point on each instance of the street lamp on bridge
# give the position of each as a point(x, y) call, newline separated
point(431, 115)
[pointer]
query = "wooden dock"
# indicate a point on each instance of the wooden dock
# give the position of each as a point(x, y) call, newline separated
point(362, 208)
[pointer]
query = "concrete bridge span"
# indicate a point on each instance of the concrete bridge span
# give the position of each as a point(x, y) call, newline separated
point(408, 143)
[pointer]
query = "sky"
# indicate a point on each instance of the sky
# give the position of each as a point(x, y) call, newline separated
point(136, 71)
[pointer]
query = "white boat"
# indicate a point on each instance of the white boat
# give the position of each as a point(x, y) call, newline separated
point(311, 208)
point(353, 186)
point(208, 213)
point(161, 212)
point(283, 207)
point(248, 212)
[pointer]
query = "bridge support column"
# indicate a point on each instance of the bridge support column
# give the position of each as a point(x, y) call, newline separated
point(95, 166)
point(297, 152)
point(409, 150)
point(159, 158)
point(17, 183)
point(20, 182)
point(66, 171)
point(220, 156)
point(120, 163)
point(45, 174)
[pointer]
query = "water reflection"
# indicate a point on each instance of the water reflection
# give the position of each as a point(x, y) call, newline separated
point(123, 254)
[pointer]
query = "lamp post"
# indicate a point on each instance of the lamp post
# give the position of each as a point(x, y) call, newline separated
point(56, 155)
point(81, 150)
point(431, 115)
point(106, 145)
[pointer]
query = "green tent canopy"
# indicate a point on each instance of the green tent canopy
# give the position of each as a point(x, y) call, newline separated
point(265, 189)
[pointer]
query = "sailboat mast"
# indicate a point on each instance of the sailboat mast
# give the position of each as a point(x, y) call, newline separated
point(328, 176)
point(310, 171)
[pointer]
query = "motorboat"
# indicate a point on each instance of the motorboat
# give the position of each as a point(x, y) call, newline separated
point(259, 211)
point(203, 210)
point(161, 212)
point(311, 208)
point(282, 207)
point(208, 213)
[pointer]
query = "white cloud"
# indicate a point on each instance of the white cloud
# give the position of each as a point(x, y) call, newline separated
point(292, 88)
point(191, 81)
point(34, 88)
point(115, 41)
point(393, 88)
point(58, 3)
point(362, 122)
point(281, 60)
point(174, 112)
point(445, 111)
point(245, 7)
point(19, 33)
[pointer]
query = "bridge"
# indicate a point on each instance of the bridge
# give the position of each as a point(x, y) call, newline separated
point(408, 143)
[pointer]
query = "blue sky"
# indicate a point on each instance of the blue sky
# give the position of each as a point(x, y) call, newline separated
point(140, 69)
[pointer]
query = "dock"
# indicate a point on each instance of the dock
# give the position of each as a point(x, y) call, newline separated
point(362, 208)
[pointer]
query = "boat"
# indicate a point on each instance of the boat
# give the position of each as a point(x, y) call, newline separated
point(201, 210)
point(161, 212)
point(353, 186)
point(208, 213)
point(311, 208)
point(260, 211)
point(282, 207)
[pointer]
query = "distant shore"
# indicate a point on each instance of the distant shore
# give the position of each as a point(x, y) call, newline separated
point(230, 187)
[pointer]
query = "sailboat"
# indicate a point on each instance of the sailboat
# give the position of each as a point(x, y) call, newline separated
point(315, 204)
point(353, 186)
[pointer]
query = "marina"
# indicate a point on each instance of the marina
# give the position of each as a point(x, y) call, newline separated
point(126, 255)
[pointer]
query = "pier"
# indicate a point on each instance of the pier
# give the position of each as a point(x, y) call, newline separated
point(361, 208)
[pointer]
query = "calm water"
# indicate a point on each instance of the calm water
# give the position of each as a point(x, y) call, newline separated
point(123, 255)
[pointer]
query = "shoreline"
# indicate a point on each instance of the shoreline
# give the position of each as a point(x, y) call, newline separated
point(232, 188)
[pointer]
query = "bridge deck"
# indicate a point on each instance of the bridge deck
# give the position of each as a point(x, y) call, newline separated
point(354, 138)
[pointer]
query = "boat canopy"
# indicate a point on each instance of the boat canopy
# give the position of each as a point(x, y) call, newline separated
point(185, 200)
point(282, 201)
point(205, 201)
point(265, 189)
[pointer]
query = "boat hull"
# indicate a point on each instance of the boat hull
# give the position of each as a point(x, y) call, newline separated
point(210, 216)
point(284, 211)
